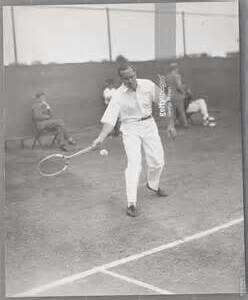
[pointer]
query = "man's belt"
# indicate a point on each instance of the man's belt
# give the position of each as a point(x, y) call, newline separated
point(145, 118)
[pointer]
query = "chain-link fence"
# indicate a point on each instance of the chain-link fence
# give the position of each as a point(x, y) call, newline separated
point(64, 34)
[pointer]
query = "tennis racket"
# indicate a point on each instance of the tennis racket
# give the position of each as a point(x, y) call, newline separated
point(57, 163)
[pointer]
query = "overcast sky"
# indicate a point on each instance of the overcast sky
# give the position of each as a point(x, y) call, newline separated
point(72, 34)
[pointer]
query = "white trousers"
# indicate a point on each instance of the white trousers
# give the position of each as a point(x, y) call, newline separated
point(198, 105)
point(138, 135)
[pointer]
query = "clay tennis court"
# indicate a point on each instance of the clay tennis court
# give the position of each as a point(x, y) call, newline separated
point(70, 236)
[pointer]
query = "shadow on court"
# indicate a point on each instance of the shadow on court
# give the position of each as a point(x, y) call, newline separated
point(69, 235)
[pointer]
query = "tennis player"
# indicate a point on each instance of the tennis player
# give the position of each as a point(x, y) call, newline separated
point(132, 102)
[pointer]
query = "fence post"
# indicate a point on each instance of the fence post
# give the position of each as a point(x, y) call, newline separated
point(109, 34)
point(14, 32)
point(2, 158)
point(184, 34)
point(243, 22)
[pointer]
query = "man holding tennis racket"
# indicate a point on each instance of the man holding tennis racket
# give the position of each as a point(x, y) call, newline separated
point(132, 103)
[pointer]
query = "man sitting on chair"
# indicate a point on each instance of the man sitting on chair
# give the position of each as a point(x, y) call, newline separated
point(43, 117)
point(198, 105)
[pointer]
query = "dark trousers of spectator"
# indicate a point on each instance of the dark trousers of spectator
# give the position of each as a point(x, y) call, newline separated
point(179, 109)
point(55, 125)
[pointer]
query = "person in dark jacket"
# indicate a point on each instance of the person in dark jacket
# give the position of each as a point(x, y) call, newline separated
point(43, 117)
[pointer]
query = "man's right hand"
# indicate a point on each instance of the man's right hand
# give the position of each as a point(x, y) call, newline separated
point(97, 143)
point(107, 128)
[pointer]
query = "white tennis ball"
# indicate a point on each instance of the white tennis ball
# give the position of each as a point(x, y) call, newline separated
point(104, 152)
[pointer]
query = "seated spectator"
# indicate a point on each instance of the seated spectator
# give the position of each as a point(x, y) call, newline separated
point(198, 105)
point(108, 93)
point(175, 85)
point(43, 117)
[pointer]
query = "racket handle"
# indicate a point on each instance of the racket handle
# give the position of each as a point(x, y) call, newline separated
point(85, 150)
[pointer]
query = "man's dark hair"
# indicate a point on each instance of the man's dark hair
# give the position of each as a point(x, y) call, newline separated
point(40, 94)
point(123, 67)
point(173, 66)
point(109, 81)
point(120, 59)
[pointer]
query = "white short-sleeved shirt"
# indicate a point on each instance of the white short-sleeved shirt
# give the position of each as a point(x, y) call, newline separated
point(131, 105)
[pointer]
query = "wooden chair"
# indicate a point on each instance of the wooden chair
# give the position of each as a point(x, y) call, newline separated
point(38, 133)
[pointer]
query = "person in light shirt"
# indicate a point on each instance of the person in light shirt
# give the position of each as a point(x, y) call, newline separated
point(132, 103)
point(193, 106)
point(108, 91)
point(174, 82)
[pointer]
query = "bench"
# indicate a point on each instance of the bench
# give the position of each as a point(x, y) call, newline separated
point(44, 132)
point(36, 138)
point(21, 140)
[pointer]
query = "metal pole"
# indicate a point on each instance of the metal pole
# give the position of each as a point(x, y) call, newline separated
point(243, 25)
point(14, 33)
point(184, 34)
point(2, 158)
point(109, 34)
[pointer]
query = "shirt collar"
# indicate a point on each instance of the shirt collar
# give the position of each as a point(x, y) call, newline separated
point(125, 89)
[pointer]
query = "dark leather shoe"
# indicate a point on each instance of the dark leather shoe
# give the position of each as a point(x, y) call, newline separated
point(160, 192)
point(71, 141)
point(63, 148)
point(132, 211)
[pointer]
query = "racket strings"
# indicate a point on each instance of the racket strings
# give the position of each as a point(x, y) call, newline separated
point(53, 165)
point(58, 163)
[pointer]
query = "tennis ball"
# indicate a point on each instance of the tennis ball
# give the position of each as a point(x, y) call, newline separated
point(104, 152)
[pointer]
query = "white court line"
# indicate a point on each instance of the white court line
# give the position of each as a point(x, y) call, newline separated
point(125, 260)
point(139, 283)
